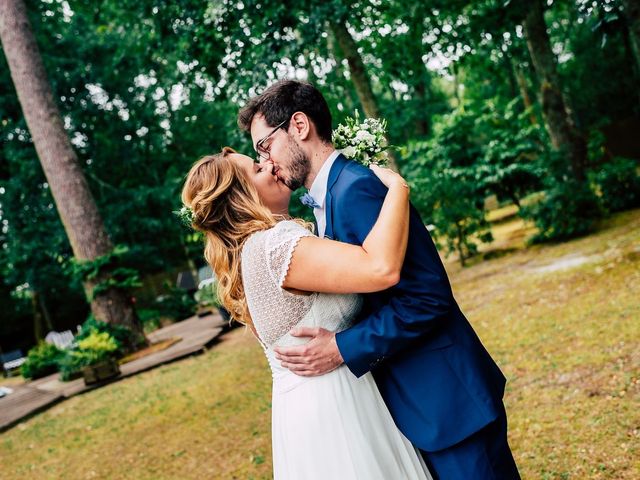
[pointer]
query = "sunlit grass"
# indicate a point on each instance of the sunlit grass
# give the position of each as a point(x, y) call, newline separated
point(566, 337)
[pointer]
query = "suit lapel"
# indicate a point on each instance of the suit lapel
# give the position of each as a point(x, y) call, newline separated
point(334, 173)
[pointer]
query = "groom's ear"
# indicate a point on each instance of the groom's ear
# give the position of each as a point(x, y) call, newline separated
point(300, 125)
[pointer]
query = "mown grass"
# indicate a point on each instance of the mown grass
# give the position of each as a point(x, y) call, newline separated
point(567, 339)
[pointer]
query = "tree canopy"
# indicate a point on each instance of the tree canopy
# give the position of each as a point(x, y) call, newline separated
point(474, 98)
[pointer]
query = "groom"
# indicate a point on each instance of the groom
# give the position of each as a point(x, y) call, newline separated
point(438, 381)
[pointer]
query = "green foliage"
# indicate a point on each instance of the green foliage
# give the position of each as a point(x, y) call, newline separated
point(207, 296)
point(106, 266)
point(119, 278)
point(146, 88)
point(97, 346)
point(446, 187)
point(567, 210)
point(176, 303)
point(150, 318)
point(619, 184)
point(94, 347)
point(124, 338)
point(42, 360)
point(70, 366)
point(512, 149)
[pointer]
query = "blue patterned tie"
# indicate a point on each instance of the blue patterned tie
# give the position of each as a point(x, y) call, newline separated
point(308, 200)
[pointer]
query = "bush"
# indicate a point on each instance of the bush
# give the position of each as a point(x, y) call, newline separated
point(150, 318)
point(125, 339)
point(71, 365)
point(447, 191)
point(94, 348)
point(567, 210)
point(177, 303)
point(42, 360)
point(619, 184)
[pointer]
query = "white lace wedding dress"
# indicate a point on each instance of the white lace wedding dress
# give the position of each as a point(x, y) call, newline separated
point(331, 427)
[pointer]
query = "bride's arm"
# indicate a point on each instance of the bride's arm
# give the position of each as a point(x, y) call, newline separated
point(321, 265)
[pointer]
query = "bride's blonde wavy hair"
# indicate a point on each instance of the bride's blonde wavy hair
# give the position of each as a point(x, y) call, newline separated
point(227, 210)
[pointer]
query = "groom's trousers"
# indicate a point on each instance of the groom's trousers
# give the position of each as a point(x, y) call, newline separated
point(485, 455)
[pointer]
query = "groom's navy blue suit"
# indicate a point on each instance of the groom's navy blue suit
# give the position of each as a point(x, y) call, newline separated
point(440, 384)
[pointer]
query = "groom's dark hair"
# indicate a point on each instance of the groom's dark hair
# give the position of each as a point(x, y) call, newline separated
point(282, 99)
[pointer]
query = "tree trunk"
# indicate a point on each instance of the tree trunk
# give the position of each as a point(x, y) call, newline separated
point(359, 77)
point(76, 207)
point(632, 15)
point(558, 121)
point(348, 100)
point(423, 94)
point(456, 85)
point(38, 326)
point(48, 322)
point(423, 90)
point(524, 92)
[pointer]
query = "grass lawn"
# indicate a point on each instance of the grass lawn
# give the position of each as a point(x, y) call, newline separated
point(561, 320)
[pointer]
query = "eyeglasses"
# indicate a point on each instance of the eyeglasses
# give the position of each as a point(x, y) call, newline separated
point(263, 153)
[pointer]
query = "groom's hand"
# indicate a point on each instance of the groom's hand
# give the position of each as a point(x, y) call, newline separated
point(319, 356)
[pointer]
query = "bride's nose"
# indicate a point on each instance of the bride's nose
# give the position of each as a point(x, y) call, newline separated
point(269, 167)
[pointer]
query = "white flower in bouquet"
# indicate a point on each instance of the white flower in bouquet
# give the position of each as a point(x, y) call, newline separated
point(364, 142)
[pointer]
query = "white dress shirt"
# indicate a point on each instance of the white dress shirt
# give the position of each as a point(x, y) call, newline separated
point(318, 191)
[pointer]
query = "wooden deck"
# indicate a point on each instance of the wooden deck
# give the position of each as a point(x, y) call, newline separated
point(196, 334)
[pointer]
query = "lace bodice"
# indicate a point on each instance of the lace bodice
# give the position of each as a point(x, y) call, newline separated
point(275, 311)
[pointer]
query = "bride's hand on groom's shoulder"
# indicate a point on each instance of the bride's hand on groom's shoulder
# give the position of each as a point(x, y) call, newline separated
point(387, 176)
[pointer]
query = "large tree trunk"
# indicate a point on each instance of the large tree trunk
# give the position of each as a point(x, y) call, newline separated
point(517, 78)
point(359, 76)
point(558, 121)
point(78, 211)
point(632, 15)
point(348, 100)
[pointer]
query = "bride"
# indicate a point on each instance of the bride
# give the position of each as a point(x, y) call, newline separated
point(274, 275)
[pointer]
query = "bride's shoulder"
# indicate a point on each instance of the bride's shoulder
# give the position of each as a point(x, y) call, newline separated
point(281, 231)
point(290, 228)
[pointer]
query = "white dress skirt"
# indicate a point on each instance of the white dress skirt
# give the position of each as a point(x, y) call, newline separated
point(331, 427)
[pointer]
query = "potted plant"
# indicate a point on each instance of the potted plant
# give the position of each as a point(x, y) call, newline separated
point(97, 352)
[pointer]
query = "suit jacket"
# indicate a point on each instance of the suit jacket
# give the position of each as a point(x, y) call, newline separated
point(437, 379)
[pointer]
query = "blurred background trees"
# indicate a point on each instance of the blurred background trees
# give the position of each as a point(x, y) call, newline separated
point(534, 102)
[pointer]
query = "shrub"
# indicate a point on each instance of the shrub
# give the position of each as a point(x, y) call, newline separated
point(177, 303)
point(447, 191)
point(71, 365)
point(567, 209)
point(42, 360)
point(94, 348)
point(150, 318)
point(125, 339)
point(619, 184)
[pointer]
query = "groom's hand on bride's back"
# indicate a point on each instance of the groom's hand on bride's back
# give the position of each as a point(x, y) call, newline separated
point(317, 357)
